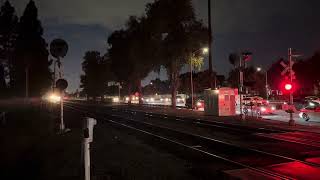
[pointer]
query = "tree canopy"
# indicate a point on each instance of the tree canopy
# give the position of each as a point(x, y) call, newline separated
point(97, 73)
point(8, 24)
point(181, 35)
point(30, 54)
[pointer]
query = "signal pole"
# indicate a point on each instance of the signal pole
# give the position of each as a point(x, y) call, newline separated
point(241, 86)
point(210, 45)
point(291, 121)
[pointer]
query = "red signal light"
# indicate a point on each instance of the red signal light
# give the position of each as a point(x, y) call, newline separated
point(288, 87)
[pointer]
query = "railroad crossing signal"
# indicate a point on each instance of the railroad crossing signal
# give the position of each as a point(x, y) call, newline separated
point(287, 69)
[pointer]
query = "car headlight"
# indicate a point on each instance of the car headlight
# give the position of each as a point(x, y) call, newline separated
point(199, 104)
point(263, 109)
point(273, 108)
point(54, 98)
point(115, 99)
point(300, 115)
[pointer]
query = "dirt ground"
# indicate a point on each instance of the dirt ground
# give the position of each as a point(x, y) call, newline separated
point(30, 149)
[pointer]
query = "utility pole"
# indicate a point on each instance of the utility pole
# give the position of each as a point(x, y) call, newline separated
point(210, 45)
point(119, 87)
point(291, 121)
point(191, 83)
point(267, 86)
point(241, 85)
point(27, 83)
point(54, 75)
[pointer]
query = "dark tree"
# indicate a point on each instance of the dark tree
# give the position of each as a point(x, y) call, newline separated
point(308, 75)
point(94, 81)
point(30, 55)
point(234, 59)
point(132, 53)
point(181, 34)
point(201, 81)
point(122, 65)
point(157, 86)
point(8, 23)
point(254, 81)
point(274, 74)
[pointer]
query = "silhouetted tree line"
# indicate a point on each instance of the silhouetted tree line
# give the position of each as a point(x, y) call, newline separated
point(23, 51)
point(166, 36)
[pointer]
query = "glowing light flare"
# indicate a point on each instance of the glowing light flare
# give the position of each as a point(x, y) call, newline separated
point(199, 104)
point(311, 104)
point(53, 98)
point(115, 99)
point(205, 50)
point(288, 87)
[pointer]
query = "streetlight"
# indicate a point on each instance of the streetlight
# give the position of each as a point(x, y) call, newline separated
point(204, 50)
point(259, 69)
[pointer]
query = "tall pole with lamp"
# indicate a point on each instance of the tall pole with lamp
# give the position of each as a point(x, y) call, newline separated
point(210, 46)
point(204, 51)
point(259, 69)
point(244, 57)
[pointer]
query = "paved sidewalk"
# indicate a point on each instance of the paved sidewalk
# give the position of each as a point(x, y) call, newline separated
point(277, 122)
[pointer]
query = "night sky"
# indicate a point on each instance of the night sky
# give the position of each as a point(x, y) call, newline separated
point(265, 27)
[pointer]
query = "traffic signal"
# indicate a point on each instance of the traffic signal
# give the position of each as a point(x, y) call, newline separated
point(246, 56)
point(288, 86)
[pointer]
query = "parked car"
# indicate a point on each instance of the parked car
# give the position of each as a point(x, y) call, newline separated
point(312, 111)
point(312, 98)
point(198, 103)
point(254, 99)
point(258, 108)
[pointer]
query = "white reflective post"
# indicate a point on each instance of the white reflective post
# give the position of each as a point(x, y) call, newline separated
point(61, 113)
point(88, 138)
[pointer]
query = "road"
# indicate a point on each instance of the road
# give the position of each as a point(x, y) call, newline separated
point(280, 115)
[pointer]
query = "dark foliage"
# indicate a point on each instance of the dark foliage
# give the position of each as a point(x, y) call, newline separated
point(8, 23)
point(30, 53)
point(95, 80)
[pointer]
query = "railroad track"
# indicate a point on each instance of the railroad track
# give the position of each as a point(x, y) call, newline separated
point(243, 157)
point(231, 128)
point(200, 122)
